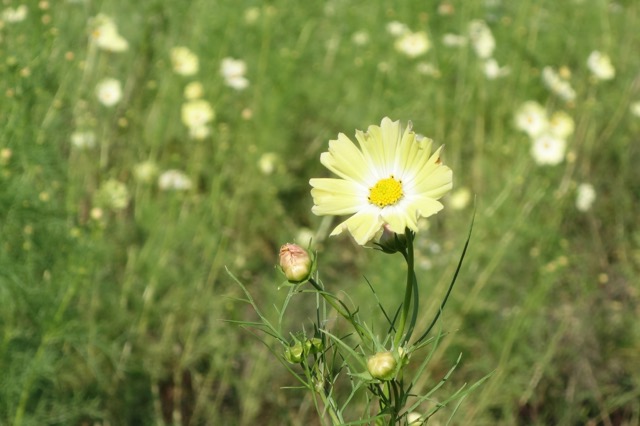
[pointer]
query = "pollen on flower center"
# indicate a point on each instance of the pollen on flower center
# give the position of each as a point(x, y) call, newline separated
point(386, 192)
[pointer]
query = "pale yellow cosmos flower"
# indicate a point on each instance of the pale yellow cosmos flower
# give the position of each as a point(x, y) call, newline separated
point(392, 179)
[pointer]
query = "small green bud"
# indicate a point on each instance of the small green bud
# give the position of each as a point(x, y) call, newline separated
point(314, 345)
point(382, 365)
point(294, 353)
point(295, 263)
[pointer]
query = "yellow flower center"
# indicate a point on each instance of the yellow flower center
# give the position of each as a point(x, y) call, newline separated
point(386, 192)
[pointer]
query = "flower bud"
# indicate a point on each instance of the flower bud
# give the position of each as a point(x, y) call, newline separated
point(390, 242)
point(382, 365)
point(294, 353)
point(313, 345)
point(295, 263)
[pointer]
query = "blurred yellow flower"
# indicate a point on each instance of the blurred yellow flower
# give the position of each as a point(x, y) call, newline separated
point(561, 124)
point(184, 61)
point(113, 194)
point(392, 179)
point(197, 113)
point(145, 172)
point(16, 14)
point(460, 199)
point(193, 90)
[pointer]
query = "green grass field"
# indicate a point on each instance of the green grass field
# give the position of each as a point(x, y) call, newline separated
point(113, 280)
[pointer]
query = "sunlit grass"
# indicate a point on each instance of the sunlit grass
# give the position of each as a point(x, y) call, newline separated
point(112, 294)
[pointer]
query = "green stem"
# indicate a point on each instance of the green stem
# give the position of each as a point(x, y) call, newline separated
point(407, 292)
point(331, 409)
point(341, 310)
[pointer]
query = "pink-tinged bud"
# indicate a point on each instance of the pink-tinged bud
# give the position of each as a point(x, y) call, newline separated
point(382, 365)
point(295, 263)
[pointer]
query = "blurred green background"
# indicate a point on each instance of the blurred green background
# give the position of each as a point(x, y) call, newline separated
point(113, 287)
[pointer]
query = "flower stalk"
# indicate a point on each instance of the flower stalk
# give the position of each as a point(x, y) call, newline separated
point(408, 292)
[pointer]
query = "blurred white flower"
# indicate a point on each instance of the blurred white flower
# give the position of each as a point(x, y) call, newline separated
point(426, 68)
point(493, 71)
point(397, 29)
point(548, 150)
point(199, 132)
point(459, 199)
point(531, 118)
point(105, 35)
point(83, 139)
point(174, 180)
point(193, 90)
point(184, 61)
point(561, 124)
point(601, 66)
point(197, 113)
point(233, 71)
point(237, 83)
point(481, 39)
point(145, 172)
point(109, 91)
point(113, 194)
point(586, 195)
point(15, 14)
point(413, 44)
point(360, 38)
point(268, 162)
point(635, 108)
point(454, 40)
point(557, 84)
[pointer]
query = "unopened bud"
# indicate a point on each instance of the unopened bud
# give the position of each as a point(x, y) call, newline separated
point(382, 365)
point(295, 263)
point(294, 353)
point(390, 242)
point(314, 345)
